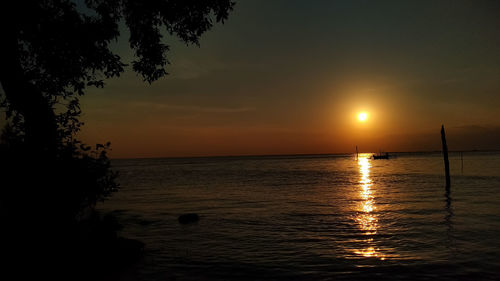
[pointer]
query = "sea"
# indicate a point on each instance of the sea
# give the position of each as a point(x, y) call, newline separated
point(312, 217)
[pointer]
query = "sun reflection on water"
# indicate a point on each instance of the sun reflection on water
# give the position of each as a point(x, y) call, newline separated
point(366, 219)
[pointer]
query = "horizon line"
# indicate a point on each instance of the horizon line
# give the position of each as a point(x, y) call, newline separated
point(295, 154)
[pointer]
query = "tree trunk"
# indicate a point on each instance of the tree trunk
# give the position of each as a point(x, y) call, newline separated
point(25, 98)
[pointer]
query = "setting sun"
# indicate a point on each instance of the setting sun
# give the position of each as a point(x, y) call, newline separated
point(362, 116)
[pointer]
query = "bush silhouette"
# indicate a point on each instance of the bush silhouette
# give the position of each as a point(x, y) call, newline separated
point(51, 51)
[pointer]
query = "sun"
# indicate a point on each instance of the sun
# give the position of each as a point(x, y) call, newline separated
point(362, 116)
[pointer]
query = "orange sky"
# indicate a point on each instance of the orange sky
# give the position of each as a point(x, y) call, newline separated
point(290, 78)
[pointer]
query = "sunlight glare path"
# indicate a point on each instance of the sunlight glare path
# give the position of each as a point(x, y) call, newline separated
point(365, 218)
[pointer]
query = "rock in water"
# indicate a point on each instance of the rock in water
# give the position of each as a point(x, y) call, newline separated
point(188, 218)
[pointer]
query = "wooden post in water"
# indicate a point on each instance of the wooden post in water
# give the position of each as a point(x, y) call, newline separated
point(357, 156)
point(462, 160)
point(446, 162)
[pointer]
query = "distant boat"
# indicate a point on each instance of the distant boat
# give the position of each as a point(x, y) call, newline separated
point(380, 156)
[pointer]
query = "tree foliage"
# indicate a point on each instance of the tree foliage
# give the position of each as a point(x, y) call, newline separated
point(51, 51)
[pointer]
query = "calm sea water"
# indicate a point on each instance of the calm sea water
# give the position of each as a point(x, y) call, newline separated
point(313, 217)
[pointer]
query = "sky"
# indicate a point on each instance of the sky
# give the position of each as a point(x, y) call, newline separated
point(290, 77)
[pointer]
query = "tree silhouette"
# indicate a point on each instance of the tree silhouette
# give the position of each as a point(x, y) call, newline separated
point(51, 51)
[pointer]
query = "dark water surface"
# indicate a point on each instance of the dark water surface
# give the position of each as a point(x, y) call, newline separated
point(326, 217)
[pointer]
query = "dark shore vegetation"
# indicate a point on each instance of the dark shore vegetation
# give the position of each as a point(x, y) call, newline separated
point(51, 52)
